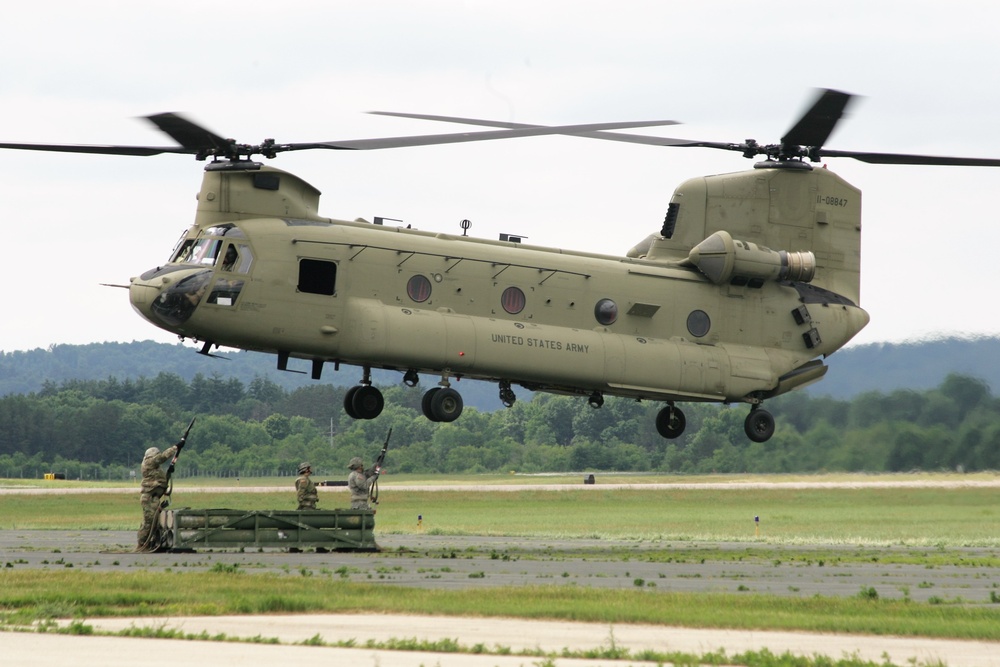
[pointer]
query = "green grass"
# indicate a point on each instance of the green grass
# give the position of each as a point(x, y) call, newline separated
point(930, 517)
point(921, 525)
point(28, 596)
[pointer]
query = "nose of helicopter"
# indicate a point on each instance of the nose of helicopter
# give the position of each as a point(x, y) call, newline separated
point(168, 297)
point(140, 295)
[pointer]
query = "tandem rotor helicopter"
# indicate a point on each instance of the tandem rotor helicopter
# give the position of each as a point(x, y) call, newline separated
point(753, 279)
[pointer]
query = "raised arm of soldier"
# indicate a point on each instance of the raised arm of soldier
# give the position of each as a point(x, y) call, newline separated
point(358, 483)
point(154, 485)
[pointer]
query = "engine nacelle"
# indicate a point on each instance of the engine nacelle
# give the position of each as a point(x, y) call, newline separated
point(724, 259)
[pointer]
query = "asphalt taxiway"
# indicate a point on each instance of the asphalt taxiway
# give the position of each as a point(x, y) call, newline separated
point(436, 561)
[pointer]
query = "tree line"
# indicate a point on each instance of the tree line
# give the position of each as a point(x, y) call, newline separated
point(99, 429)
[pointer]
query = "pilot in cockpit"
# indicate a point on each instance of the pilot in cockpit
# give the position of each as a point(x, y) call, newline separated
point(231, 258)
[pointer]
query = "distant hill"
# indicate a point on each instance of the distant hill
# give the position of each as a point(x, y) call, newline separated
point(922, 365)
point(24, 372)
point(881, 367)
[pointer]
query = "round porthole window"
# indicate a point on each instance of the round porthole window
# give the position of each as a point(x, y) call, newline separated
point(699, 323)
point(418, 288)
point(606, 311)
point(512, 300)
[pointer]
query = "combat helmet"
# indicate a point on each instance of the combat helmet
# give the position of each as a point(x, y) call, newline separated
point(356, 462)
point(152, 451)
point(304, 466)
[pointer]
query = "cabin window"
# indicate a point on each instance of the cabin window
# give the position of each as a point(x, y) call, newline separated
point(317, 277)
point(606, 311)
point(698, 323)
point(418, 288)
point(513, 300)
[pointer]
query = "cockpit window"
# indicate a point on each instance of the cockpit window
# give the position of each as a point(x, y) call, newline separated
point(237, 258)
point(204, 251)
point(206, 248)
point(223, 230)
point(230, 259)
point(181, 247)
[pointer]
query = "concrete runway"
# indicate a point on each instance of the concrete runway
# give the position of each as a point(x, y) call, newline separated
point(463, 562)
point(48, 650)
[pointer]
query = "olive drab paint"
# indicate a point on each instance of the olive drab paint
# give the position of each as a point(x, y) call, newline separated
point(751, 282)
point(709, 314)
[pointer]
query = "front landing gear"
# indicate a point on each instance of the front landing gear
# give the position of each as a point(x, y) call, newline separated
point(670, 422)
point(364, 401)
point(759, 424)
point(442, 404)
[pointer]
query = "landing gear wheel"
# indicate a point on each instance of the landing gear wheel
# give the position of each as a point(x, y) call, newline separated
point(670, 422)
point(507, 396)
point(425, 403)
point(367, 402)
point(446, 404)
point(759, 425)
point(349, 402)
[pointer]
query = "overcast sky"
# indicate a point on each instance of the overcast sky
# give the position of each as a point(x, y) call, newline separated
point(74, 72)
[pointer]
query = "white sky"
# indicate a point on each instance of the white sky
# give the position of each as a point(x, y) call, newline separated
point(83, 72)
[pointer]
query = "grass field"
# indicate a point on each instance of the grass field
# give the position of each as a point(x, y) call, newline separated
point(941, 514)
point(931, 515)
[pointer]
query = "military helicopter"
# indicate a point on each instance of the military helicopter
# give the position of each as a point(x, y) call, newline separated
point(752, 280)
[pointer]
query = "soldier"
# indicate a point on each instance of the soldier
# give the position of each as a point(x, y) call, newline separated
point(154, 485)
point(305, 488)
point(359, 483)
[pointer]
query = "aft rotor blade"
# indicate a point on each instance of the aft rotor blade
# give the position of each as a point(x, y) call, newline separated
point(904, 158)
point(874, 158)
point(817, 124)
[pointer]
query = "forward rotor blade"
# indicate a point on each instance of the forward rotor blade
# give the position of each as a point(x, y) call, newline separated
point(188, 134)
point(201, 142)
point(140, 151)
point(193, 139)
point(565, 129)
point(873, 158)
point(459, 137)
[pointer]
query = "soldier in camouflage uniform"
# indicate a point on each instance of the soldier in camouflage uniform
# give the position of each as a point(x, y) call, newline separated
point(154, 485)
point(359, 483)
point(305, 489)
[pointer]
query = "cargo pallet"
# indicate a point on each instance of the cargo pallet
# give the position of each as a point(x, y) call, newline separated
point(334, 530)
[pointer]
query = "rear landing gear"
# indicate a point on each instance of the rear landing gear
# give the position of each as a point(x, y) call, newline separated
point(759, 424)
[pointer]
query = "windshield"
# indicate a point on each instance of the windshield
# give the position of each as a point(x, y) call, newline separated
point(205, 249)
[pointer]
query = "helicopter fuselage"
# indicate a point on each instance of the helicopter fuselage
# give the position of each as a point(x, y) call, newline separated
point(277, 278)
